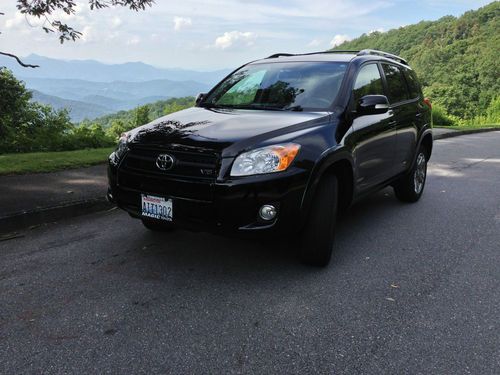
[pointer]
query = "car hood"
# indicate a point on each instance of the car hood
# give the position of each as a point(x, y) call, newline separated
point(222, 130)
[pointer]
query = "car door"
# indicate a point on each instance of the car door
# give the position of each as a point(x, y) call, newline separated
point(405, 110)
point(373, 138)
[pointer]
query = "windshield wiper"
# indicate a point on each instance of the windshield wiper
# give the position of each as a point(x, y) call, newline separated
point(256, 106)
point(216, 106)
point(265, 107)
point(296, 108)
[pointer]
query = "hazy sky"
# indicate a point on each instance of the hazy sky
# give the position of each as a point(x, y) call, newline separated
point(214, 34)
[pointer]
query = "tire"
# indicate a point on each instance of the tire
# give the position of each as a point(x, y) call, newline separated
point(411, 186)
point(318, 237)
point(157, 226)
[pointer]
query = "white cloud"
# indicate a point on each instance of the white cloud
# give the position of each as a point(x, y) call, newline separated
point(182, 23)
point(133, 41)
point(234, 39)
point(89, 35)
point(20, 21)
point(15, 21)
point(379, 30)
point(116, 22)
point(339, 39)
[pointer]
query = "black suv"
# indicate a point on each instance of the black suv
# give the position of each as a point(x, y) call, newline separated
point(280, 146)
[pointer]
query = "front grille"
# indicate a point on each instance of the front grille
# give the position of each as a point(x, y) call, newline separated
point(191, 177)
point(189, 164)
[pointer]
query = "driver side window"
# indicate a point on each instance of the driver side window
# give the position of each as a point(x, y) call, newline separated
point(368, 82)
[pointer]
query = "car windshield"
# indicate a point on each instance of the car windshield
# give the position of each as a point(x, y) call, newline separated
point(280, 86)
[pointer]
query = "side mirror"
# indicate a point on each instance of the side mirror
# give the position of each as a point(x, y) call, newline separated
point(372, 105)
point(199, 98)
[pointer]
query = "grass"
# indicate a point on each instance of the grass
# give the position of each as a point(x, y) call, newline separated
point(52, 161)
point(469, 127)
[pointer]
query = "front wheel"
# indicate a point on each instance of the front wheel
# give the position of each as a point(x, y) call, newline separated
point(411, 186)
point(318, 236)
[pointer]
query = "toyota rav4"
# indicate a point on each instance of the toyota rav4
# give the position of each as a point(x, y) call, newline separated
point(280, 146)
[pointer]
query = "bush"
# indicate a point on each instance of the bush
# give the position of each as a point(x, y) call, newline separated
point(491, 116)
point(29, 127)
point(87, 136)
point(441, 118)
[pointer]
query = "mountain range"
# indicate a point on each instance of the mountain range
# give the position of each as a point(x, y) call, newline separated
point(95, 71)
point(89, 88)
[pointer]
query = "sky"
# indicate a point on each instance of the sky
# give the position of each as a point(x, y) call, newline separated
point(215, 34)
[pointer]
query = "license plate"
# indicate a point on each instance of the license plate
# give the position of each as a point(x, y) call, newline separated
point(156, 207)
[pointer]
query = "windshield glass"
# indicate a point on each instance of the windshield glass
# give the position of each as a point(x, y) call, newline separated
point(280, 86)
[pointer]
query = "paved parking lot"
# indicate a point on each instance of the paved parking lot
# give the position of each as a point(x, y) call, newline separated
point(411, 289)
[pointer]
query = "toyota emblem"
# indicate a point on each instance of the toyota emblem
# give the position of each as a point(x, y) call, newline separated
point(165, 162)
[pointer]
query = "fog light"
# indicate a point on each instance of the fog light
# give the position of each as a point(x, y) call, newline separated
point(267, 212)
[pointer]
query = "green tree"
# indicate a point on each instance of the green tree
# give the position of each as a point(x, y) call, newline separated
point(116, 129)
point(14, 98)
point(26, 126)
point(157, 109)
point(455, 58)
point(141, 115)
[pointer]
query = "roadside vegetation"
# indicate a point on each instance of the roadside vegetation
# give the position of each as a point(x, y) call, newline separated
point(52, 161)
point(456, 60)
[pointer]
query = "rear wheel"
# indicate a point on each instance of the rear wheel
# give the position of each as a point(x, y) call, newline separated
point(157, 226)
point(318, 236)
point(411, 186)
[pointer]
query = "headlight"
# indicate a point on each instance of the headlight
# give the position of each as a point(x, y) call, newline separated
point(267, 159)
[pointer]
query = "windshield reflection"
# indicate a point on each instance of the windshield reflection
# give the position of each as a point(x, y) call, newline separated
point(280, 86)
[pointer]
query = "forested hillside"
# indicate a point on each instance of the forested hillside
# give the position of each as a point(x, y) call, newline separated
point(457, 60)
point(154, 110)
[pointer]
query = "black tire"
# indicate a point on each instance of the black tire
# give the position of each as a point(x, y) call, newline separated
point(410, 187)
point(157, 226)
point(318, 236)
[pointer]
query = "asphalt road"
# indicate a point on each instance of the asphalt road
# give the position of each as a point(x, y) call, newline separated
point(50, 189)
point(412, 289)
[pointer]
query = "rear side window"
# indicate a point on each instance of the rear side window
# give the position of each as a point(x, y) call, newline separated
point(413, 85)
point(396, 84)
point(368, 82)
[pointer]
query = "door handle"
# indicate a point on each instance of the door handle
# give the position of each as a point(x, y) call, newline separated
point(419, 114)
point(392, 123)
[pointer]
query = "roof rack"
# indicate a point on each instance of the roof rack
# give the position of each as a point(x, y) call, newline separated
point(339, 51)
point(383, 54)
point(280, 55)
point(358, 53)
point(306, 54)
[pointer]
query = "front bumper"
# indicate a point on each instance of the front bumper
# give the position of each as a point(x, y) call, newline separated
point(229, 206)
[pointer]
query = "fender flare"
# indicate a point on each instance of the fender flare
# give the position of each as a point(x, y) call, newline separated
point(324, 162)
point(423, 135)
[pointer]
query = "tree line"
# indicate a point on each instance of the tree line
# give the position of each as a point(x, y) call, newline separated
point(456, 60)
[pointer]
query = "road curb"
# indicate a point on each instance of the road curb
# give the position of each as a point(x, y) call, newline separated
point(457, 133)
point(30, 218)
